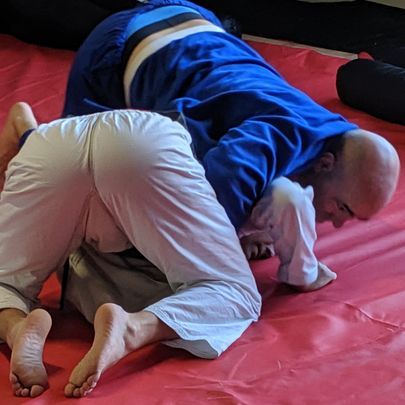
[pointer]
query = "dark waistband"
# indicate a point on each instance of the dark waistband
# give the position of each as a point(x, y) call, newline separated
point(24, 136)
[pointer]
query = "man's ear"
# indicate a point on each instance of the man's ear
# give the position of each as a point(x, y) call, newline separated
point(325, 163)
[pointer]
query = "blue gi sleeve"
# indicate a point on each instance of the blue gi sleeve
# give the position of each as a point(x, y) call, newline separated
point(246, 159)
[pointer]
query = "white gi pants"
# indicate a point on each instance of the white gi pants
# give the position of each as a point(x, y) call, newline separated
point(120, 179)
point(285, 214)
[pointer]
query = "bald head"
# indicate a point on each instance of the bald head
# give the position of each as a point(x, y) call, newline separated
point(354, 177)
point(371, 167)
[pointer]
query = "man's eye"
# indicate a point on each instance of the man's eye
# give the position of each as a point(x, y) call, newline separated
point(344, 208)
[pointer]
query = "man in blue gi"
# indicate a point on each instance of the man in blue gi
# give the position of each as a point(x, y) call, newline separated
point(248, 125)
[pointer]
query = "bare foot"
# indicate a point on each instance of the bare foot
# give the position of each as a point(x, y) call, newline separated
point(27, 372)
point(110, 345)
point(20, 118)
point(117, 333)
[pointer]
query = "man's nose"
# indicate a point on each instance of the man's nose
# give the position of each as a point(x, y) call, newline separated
point(338, 222)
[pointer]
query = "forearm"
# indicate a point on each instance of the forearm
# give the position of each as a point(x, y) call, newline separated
point(285, 214)
point(13, 308)
point(299, 266)
point(284, 218)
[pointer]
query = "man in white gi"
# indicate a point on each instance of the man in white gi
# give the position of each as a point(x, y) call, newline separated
point(121, 179)
point(115, 180)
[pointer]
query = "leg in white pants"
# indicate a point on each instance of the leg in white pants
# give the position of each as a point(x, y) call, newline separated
point(171, 215)
point(136, 168)
point(42, 209)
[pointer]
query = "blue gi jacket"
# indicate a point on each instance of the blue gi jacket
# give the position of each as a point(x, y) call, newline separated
point(248, 124)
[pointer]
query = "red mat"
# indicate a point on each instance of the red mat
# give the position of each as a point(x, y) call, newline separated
point(344, 344)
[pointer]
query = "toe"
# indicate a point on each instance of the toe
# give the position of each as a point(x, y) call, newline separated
point(25, 392)
point(93, 379)
point(15, 384)
point(86, 388)
point(77, 393)
point(69, 388)
point(17, 392)
point(36, 390)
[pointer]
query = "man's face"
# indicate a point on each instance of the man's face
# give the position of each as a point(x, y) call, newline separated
point(333, 203)
point(341, 197)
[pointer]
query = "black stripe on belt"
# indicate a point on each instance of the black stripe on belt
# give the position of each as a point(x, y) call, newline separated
point(144, 32)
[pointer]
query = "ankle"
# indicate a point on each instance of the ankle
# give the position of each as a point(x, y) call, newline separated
point(23, 118)
point(145, 327)
point(13, 331)
point(21, 126)
point(11, 321)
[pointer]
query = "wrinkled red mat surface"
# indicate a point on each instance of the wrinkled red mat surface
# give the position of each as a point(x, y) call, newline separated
point(344, 344)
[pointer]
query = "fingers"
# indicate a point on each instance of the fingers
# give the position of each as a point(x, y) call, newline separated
point(257, 246)
point(257, 251)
